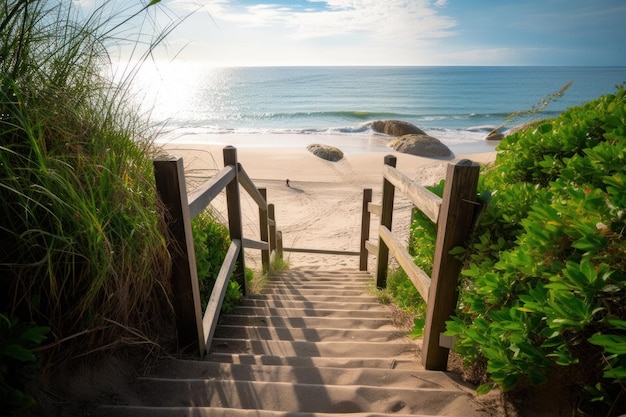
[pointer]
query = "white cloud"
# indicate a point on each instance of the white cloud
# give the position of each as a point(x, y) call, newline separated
point(392, 19)
point(312, 32)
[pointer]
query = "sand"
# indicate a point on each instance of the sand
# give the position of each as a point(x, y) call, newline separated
point(321, 207)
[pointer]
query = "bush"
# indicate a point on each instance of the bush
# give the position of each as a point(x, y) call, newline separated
point(211, 242)
point(18, 365)
point(544, 285)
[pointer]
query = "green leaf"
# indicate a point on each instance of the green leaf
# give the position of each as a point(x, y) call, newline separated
point(611, 343)
point(485, 388)
point(618, 373)
point(19, 352)
point(35, 334)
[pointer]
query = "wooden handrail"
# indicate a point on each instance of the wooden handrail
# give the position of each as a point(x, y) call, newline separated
point(374, 208)
point(255, 244)
point(453, 215)
point(428, 202)
point(200, 198)
point(418, 277)
point(211, 314)
point(195, 328)
point(251, 189)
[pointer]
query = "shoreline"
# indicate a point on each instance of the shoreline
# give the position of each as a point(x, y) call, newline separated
point(321, 207)
point(348, 143)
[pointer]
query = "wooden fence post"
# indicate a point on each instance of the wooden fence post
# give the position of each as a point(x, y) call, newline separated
point(271, 214)
point(233, 204)
point(263, 234)
point(170, 182)
point(454, 227)
point(365, 229)
point(386, 217)
point(279, 244)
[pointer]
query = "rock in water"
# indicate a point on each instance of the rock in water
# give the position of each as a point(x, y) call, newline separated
point(396, 128)
point(421, 145)
point(327, 152)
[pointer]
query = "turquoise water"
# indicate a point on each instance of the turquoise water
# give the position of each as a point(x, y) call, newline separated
point(452, 103)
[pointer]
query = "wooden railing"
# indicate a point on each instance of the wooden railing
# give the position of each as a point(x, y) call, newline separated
point(453, 214)
point(196, 329)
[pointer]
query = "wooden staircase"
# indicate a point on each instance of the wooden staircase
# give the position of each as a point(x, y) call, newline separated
point(312, 344)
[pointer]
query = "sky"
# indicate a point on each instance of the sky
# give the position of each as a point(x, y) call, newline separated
point(397, 32)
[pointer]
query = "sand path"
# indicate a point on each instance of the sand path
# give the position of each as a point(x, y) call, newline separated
point(321, 207)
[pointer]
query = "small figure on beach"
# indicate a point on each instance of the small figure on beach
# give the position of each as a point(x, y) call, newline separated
point(287, 182)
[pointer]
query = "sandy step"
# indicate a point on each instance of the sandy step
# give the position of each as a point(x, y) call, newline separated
point(312, 274)
point(308, 322)
point(313, 344)
point(335, 299)
point(312, 311)
point(315, 349)
point(286, 303)
point(307, 285)
point(287, 396)
point(363, 282)
point(418, 379)
point(310, 335)
point(405, 363)
point(307, 292)
point(147, 411)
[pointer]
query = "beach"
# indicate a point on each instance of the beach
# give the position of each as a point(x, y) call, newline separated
point(321, 207)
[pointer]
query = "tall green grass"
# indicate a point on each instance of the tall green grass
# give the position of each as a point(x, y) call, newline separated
point(83, 245)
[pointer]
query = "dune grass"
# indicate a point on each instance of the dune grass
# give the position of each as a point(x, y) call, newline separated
point(83, 246)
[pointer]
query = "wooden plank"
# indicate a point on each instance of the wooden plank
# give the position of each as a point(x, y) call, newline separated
point(279, 244)
point(446, 341)
point(374, 208)
point(271, 221)
point(386, 217)
point(372, 248)
point(428, 202)
point(418, 277)
point(200, 198)
point(212, 312)
point(264, 233)
point(170, 183)
point(248, 185)
point(454, 227)
point(365, 229)
point(255, 244)
point(233, 205)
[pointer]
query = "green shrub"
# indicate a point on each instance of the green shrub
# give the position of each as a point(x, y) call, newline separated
point(18, 365)
point(401, 291)
point(543, 287)
point(423, 235)
point(544, 282)
point(211, 243)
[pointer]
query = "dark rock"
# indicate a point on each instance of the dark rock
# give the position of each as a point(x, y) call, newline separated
point(421, 145)
point(327, 152)
point(396, 128)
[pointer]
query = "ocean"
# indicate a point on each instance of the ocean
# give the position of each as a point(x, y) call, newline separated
point(458, 105)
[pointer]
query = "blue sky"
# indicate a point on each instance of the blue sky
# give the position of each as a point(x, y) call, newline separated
point(400, 32)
